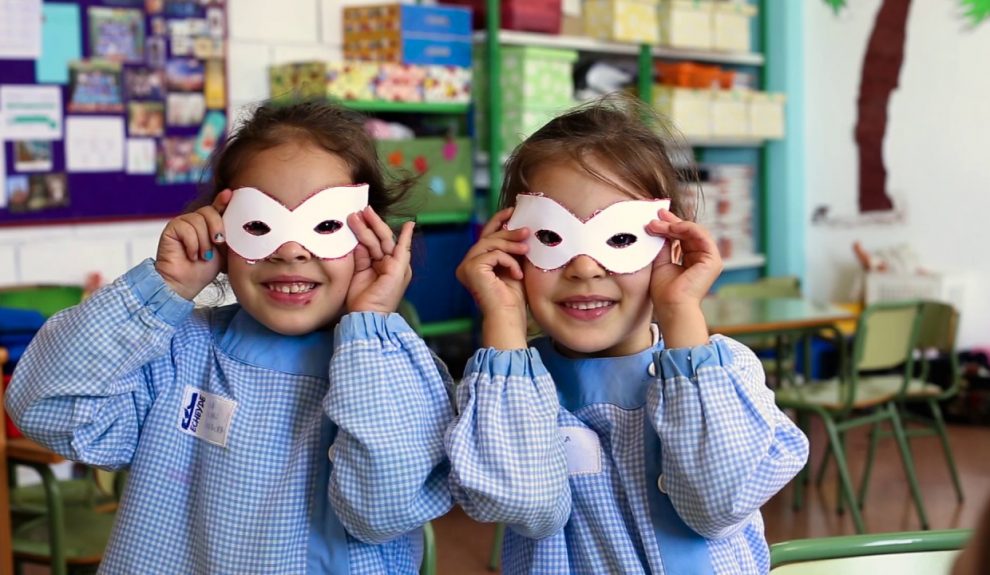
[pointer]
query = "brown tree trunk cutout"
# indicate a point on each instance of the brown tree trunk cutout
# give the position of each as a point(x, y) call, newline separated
point(881, 70)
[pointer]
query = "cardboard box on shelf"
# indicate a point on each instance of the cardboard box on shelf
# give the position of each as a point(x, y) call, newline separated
point(526, 15)
point(686, 24)
point(351, 80)
point(690, 110)
point(633, 21)
point(729, 113)
point(766, 115)
point(408, 34)
point(731, 26)
point(297, 80)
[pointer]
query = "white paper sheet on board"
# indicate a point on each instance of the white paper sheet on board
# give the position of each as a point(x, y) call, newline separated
point(20, 29)
point(31, 112)
point(94, 143)
point(140, 156)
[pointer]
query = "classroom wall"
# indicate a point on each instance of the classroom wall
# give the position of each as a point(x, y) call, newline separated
point(936, 151)
point(261, 32)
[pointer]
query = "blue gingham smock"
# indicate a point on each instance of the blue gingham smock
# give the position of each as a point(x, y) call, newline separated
point(104, 383)
point(598, 466)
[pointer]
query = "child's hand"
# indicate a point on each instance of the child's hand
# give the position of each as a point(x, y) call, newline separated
point(187, 259)
point(678, 288)
point(492, 273)
point(381, 263)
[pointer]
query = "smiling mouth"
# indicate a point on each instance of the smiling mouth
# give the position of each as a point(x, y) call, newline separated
point(290, 288)
point(587, 305)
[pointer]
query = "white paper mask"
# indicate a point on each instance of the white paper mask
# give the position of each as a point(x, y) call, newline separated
point(615, 237)
point(257, 224)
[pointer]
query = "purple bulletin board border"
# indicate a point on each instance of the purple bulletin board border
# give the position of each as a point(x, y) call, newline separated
point(106, 196)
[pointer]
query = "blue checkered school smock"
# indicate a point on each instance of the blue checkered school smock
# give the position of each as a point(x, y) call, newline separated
point(598, 466)
point(334, 455)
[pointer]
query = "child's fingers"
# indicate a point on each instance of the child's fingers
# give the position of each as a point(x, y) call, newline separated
point(185, 232)
point(384, 233)
point(365, 235)
point(403, 247)
point(362, 259)
point(496, 222)
point(221, 200)
point(214, 224)
point(496, 260)
point(512, 241)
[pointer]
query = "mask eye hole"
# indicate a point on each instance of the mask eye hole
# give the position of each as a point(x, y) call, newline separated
point(548, 238)
point(256, 228)
point(328, 227)
point(621, 240)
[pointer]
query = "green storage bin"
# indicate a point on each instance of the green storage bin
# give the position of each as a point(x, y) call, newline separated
point(444, 166)
point(45, 299)
point(536, 84)
point(531, 76)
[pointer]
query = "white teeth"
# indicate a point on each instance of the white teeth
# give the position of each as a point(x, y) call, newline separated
point(584, 305)
point(297, 287)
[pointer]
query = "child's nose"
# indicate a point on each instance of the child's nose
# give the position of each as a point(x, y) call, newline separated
point(291, 252)
point(584, 267)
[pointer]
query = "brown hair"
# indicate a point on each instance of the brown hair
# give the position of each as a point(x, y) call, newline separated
point(329, 126)
point(617, 130)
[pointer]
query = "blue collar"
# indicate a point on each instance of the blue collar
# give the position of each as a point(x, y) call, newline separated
point(241, 337)
point(620, 381)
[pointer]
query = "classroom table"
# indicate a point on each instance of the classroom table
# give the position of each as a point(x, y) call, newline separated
point(778, 317)
point(771, 316)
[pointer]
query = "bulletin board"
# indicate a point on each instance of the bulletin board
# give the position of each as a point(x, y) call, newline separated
point(109, 109)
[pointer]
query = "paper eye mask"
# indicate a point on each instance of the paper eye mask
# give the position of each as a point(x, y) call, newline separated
point(615, 237)
point(256, 224)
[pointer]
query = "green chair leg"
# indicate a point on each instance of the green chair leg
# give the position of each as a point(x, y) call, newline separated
point(429, 564)
point(820, 477)
point(845, 483)
point(908, 462)
point(944, 437)
point(496, 556)
point(840, 501)
point(864, 483)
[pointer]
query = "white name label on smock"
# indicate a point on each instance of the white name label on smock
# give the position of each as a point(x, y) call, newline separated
point(206, 416)
point(583, 450)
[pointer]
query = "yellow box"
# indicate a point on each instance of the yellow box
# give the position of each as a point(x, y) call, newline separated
point(766, 115)
point(730, 113)
point(731, 26)
point(688, 109)
point(351, 80)
point(622, 20)
point(686, 24)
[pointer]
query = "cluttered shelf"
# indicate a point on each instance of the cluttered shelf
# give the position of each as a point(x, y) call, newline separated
point(594, 46)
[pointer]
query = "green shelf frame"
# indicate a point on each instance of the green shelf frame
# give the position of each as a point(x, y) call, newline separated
point(446, 327)
point(435, 218)
point(407, 107)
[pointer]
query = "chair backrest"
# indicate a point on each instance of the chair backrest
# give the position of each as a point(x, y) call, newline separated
point(937, 333)
point(764, 288)
point(885, 335)
point(905, 553)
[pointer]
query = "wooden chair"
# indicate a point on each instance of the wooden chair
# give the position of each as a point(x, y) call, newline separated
point(906, 553)
point(884, 342)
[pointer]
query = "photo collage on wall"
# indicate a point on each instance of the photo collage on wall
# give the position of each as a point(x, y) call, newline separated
point(133, 87)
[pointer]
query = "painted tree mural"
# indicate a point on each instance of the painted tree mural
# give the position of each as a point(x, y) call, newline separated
point(881, 70)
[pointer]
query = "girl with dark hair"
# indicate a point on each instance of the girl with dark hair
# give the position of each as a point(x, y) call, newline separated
point(625, 440)
point(297, 431)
